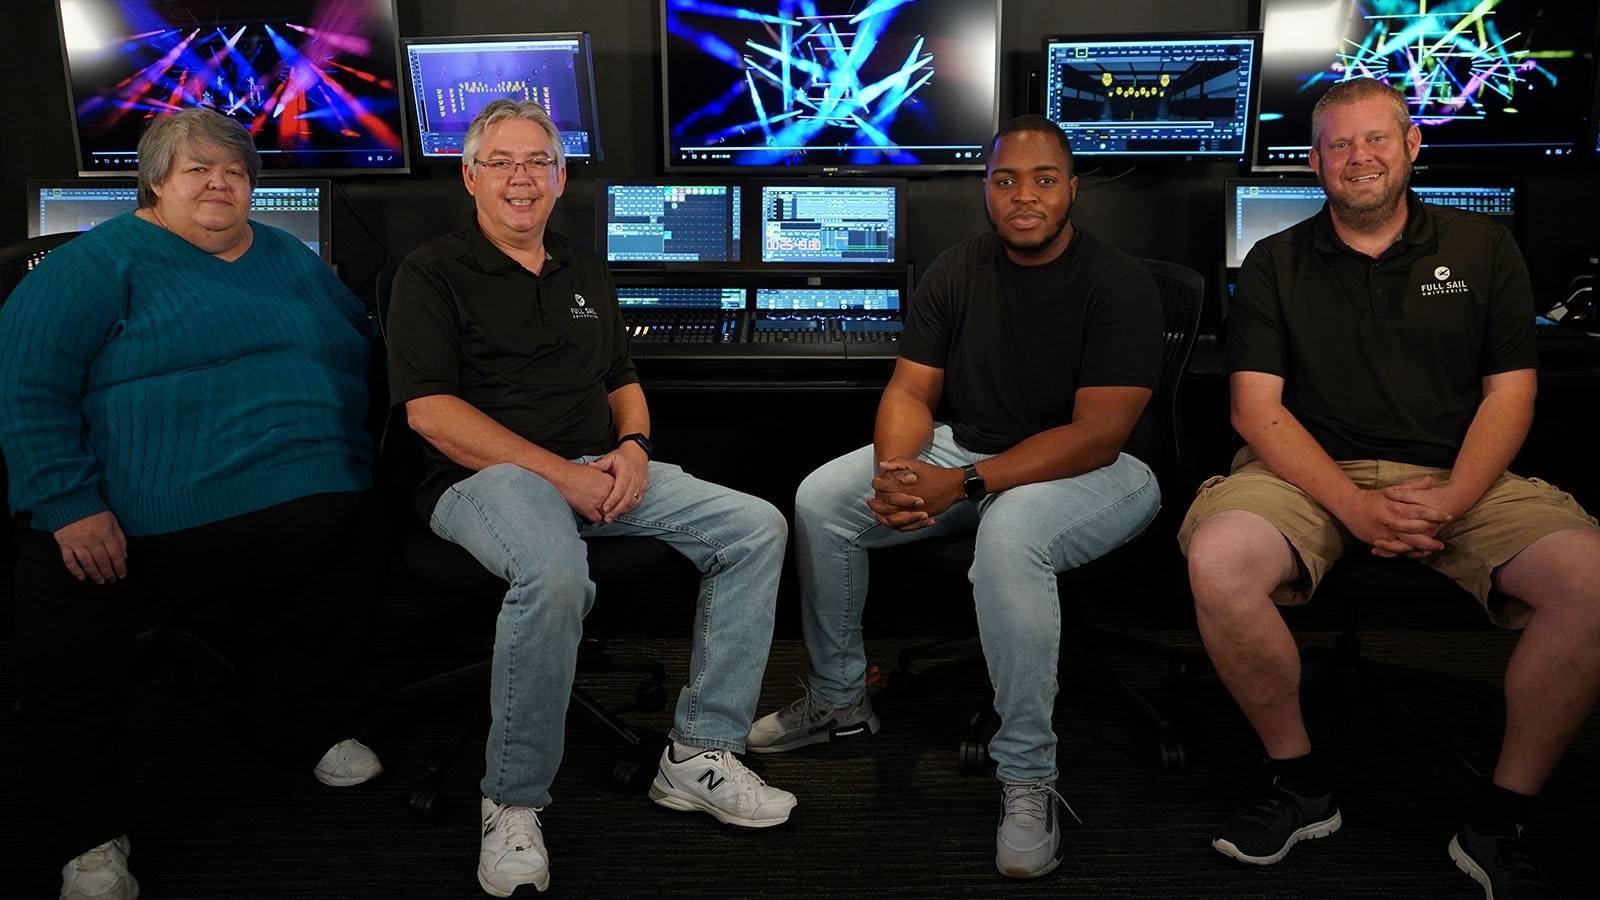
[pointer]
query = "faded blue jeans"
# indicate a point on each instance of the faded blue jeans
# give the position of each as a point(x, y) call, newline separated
point(520, 528)
point(1024, 537)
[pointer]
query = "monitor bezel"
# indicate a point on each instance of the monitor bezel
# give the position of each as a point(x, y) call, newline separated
point(672, 166)
point(585, 53)
point(1252, 91)
point(402, 167)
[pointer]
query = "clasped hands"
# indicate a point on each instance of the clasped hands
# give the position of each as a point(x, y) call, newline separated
point(1402, 519)
point(609, 486)
point(907, 493)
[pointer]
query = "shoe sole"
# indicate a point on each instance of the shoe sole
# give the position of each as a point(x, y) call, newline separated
point(864, 728)
point(687, 803)
point(538, 884)
point(344, 780)
point(1470, 866)
point(1305, 833)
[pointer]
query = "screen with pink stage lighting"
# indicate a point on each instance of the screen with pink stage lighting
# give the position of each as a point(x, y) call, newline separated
point(317, 82)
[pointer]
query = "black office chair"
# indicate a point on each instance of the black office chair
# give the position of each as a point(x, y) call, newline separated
point(1149, 564)
point(454, 577)
point(1362, 585)
point(172, 639)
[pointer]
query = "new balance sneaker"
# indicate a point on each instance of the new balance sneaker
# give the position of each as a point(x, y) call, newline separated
point(1502, 863)
point(100, 873)
point(807, 721)
point(1263, 833)
point(1028, 842)
point(716, 782)
point(511, 854)
point(348, 763)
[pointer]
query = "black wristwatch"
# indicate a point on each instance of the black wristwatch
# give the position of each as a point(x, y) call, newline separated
point(638, 437)
point(973, 485)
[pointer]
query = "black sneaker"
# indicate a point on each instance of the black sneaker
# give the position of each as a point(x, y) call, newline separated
point(1263, 833)
point(1503, 864)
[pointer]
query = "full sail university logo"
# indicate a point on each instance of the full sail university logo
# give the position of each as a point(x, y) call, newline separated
point(581, 308)
point(1442, 284)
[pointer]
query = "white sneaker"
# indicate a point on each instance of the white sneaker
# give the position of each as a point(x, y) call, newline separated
point(100, 874)
point(716, 782)
point(348, 763)
point(512, 852)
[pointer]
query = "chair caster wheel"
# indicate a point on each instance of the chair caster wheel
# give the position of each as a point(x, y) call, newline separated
point(649, 696)
point(972, 757)
point(429, 804)
point(631, 777)
point(1171, 757)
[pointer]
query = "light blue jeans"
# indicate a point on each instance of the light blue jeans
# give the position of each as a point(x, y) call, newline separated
point(519, 527)
point(1024, 537)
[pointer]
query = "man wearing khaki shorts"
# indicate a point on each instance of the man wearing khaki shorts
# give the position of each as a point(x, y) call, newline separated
point(1382, 373)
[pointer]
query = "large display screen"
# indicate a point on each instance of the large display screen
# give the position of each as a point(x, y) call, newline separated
point(1488, 83)
point(317, 82)
point(1149, 96)
point(830, 85)
point(453, 78)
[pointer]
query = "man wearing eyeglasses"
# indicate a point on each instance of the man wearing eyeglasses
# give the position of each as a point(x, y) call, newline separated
point(508, 350)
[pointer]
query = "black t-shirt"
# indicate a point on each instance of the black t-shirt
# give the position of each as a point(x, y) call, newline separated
point(539, 354)
point(1384, 359)
point(1016, 342)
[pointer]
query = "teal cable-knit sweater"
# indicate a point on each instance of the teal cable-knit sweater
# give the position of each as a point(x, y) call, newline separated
point(141, 374)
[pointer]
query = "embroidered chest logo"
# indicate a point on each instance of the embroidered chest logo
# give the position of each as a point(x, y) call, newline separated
point(581, 308)
point(1442, 284)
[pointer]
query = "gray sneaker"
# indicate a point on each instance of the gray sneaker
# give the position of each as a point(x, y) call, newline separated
point(100, 873)
point(1028, 842)
point(807, 721)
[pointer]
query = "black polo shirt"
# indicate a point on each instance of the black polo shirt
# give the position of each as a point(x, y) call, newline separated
point(1384, 358)
point(539, 354)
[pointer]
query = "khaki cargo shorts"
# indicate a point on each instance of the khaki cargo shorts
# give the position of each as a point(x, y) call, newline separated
point(1513, 513)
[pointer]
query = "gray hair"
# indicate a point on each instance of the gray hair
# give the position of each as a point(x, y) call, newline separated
point(1357, 90)
point(500, 110)
point(193, 131)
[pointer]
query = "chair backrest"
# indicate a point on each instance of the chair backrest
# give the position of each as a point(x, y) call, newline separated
point(1182, 292)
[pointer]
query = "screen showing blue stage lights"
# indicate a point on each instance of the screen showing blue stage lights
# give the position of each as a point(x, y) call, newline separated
point(1489, 84)
point(830, 223)
point(453, 78)
point(830, 85)
point(657, 223)
point(315, 82)
point(1143, 96)
point(1256, 208)
point(298, 206)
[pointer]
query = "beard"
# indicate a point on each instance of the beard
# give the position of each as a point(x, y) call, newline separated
point(1372, 214)
point(1037, 246)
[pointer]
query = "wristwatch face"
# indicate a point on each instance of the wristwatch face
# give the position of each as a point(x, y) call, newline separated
point(973, 485)
point(642, 441)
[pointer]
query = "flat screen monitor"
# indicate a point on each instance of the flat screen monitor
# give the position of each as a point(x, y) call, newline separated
point(851, 299)
point(680, 297)
point(830, 85)
point(298, 206)
point(672, 223)
point(1257, 207)
point(453, 78)
point(828, 222)
point(1489, 84)
point(1151, 96)
point(316, 82)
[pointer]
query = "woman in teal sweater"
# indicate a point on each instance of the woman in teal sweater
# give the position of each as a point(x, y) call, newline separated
point(182, 393)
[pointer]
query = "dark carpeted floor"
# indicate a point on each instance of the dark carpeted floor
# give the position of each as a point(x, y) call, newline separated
point(892, 817)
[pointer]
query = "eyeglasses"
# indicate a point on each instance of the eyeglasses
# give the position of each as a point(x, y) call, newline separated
point(503, 167)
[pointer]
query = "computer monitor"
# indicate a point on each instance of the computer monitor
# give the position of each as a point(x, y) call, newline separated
point(1490, 84)
point(301, 207)
point(1257, 207)
point(670, 223)
point(680, 297)
point(830, 223)
point(453, 78)
point(818, 86)
point(1152, 96)
point(316, 82)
